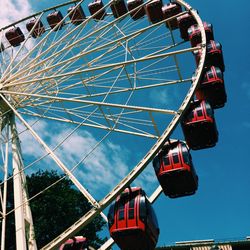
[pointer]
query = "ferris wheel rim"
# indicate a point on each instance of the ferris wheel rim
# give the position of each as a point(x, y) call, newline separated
point(147, 158)
point(115, 192)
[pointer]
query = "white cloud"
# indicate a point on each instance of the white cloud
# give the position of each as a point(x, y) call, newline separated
point(102, 169)
point(166, 97)
point(98, 169)
point(29, 145)
point(13, 10)
point(108, 163)
point(147, 180)
point(99, 172)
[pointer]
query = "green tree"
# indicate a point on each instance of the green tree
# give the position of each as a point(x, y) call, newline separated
point(56, 209)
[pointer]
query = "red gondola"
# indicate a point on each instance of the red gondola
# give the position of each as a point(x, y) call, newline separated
point(154, 11)
point(76, 14)
point(214, 55)
point(38, 29)
point(132, 221)
point(184, 23)
point(15, 36)
point(194, 33)
point(174, 170)
point(199, 125)
point(138, 12)
point(212, 88)
point(97, 6)
point(54, 19)
point(170, 10)
point(75, 243)
point(118, 8)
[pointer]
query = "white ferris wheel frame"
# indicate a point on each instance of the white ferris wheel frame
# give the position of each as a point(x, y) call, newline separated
point(22, 209)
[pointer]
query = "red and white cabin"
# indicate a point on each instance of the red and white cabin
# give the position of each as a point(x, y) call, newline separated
point(212, 88)
point(15, 36)
point(214, 56)
point(194, 33)
point(154, 11)
point(184, 23)
point(132, 221)
point(96, 9)
point(54, 19)
point(136, 12)
point(76, 14)
point(198, 125)
point(170, 10)
point(175, 171)
point(118, 8)
point(38, 29)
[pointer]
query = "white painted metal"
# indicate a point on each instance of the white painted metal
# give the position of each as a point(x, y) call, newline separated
point(107, 244)
point(5, 187)
point(32, 62)
point(55, 158)
point(105, 104)
point(143, 163)
point(8, 80)
point(21, 81)
point(25, 235)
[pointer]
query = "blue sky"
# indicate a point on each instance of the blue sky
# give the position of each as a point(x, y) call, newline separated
point(221, 207)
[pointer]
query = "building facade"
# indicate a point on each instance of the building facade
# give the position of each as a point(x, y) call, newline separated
point(243, 244)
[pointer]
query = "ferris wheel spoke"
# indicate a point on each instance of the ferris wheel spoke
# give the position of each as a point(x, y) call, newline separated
point(65, 65)
point(87, 78)
point(51, 60)
point(101, 81)
point(33, 99)
point(68, 63)
point(84, 82)
point(126, 47)
point(123, 89)
point(100, 107)
point(72, 59)
point(53, 156)
point(111, 119)
point(122, 131)
point(146, 41)
point(40, 42)
point(114, 65)
point(114, 105)
point(83, 114)
point(107, 117)
point(14, 58)
point(60, 40)
point(130, 36)
point(48, 63)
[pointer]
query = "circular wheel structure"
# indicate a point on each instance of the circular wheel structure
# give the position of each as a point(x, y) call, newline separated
point(107, 88)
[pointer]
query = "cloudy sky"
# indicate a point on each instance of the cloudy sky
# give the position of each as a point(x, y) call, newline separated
point(220, 208)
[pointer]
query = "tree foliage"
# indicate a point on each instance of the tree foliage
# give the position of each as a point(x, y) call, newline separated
point(56, 209)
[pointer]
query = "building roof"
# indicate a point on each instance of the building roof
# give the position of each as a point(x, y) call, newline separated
point(242, 244)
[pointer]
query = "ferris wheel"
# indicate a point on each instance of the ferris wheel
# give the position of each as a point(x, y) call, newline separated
point(101, 79)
